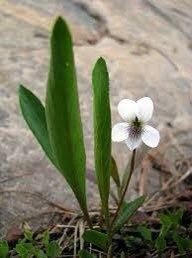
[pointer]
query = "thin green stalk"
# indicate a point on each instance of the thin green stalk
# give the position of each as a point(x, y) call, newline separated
point(132, 166)
point(110, 232)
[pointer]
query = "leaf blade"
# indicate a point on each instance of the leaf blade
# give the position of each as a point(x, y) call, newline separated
point(63, 113)
point(160, 243)
point(96, 238)
point(34, 114)
point(102, 131)
point(127, 211)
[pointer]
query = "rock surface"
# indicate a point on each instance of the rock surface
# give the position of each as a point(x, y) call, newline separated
point(148, 48)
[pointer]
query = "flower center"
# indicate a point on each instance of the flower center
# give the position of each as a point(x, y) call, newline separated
point(135, 129)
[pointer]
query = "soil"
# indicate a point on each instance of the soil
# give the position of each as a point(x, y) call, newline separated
point(66, 228)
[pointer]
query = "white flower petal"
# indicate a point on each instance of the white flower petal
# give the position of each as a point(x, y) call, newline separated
point(133, 143)
point(145, 109)
point(127, 109)
point(150, 136)
point(120, 132)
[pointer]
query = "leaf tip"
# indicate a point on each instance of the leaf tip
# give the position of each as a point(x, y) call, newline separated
point(21, 88)
point(59, 20)
point(60, 31)
point(100, 64)
point(21, 91)
point(101, 60)
point(59, 24)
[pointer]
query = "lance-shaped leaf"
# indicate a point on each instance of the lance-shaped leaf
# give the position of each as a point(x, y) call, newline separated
point(34, 114)
point(127, 211)
point(102, 131)
point(96, 238)
point(63, 112)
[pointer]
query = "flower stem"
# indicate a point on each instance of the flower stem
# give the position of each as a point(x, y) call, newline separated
point(132, 166)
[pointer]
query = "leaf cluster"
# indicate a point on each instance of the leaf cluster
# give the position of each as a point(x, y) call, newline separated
point(31, 247)
point(171, 230)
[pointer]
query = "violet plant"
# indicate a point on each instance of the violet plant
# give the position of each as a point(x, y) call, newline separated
point(58, 129)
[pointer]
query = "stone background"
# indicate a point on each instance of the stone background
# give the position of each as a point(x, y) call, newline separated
point(148, 48)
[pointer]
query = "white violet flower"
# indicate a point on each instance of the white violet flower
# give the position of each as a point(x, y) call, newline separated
point(135, 130)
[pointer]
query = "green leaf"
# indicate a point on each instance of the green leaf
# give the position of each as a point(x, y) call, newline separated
point(183, 244)
point(175, 217)
point(160, 244)
point(166, 222)
point(63, 113)
point(127, 211)
point(96, 238)
point(25, 249)
point(114, 172)
point(145, 232)
point(4, 249)
point(169, 221)
point(28, 234)
point(34, 114)
point(53, 249)
point(85, 254)
point(46, 238)
point(41, 254)
point(102, 131)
